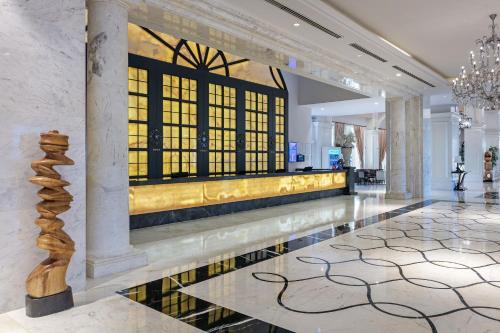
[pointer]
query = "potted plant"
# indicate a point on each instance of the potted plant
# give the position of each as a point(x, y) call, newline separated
point(494, 155)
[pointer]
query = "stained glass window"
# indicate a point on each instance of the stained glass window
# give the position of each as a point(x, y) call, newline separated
point(256, 128)
point(222, 130)
point(137, 123)
point(179, 125)
point(280, 133)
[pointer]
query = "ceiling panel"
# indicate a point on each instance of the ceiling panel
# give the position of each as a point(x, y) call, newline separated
point(437, 33)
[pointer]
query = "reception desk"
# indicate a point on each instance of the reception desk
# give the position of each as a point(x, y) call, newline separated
point(156, 202)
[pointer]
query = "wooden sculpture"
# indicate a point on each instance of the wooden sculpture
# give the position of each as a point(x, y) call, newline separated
point(49, 277)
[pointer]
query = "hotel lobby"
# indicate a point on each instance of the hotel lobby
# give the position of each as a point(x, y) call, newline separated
point(250, 166)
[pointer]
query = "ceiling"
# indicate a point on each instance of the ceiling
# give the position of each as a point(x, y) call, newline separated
point(296, 39)
point(438, 33)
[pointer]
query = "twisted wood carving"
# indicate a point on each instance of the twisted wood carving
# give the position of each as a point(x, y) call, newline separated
point(49, 277)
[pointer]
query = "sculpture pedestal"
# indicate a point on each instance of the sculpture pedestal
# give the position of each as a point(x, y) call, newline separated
point(39, 307)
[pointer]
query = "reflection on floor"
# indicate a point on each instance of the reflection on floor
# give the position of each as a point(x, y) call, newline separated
point(163, 295)
point(345, 264)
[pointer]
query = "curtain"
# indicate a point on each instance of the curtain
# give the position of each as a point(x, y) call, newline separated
point(359, 132)
point(339, 134)
point(382, 146)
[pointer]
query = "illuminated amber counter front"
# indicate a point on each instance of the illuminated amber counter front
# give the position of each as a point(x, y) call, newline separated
point(192, 193)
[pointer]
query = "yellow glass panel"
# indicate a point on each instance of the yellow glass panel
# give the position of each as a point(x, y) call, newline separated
point(143, 157)
point(167, 92)
point(143, 75)
point(132, 169)
point(132, 73)
point(132, 157)
point(175, 118)
point(132, 86)
point(166, 169)
point(175, 81)
point(175, 93)
point(143, 102)
point(132, 114)
point(132, 129)
point(132, 101)
point(143, 115)
point(142, 142)
point(143, 87)
point(143, 129)
point(175, 106)
point(167, 117)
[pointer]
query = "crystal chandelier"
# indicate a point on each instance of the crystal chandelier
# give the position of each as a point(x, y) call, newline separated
point(479, 86)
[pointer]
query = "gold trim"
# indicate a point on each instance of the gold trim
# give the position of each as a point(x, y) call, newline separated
point(164, 197)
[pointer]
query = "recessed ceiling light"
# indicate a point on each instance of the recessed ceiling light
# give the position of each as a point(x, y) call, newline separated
point(296, 24)
point(322, 109)
point(360, 55)
point(398, 74)
point(376, 103)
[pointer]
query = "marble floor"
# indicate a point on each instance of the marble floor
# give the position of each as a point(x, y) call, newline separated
point(346, 264)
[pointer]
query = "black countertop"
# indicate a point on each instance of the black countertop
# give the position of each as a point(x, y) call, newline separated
point(204, 179)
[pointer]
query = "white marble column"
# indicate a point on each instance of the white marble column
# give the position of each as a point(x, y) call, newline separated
point(396, 149)
point(108, 248)
point(322, 137)
point(414, 146)
point(445, 148)
point(474, 148)
point(371, 148)
point(493, 136)
point(427, 153)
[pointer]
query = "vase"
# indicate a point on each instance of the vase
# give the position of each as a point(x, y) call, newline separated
point(346, 153)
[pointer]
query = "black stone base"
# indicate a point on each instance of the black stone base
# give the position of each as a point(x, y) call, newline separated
point(43, 306)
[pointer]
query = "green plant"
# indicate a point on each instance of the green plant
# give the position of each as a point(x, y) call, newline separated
point(494, 154)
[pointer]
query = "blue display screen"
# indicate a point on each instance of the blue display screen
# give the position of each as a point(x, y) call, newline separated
point(333, 156)
point(292, 152)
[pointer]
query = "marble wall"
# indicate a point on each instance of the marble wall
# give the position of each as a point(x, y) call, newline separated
point(445, 149)
point(299, 122)
point(42, 87)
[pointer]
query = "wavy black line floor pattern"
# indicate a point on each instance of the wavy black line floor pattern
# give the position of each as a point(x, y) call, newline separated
point(434, 269)
point(420, 234)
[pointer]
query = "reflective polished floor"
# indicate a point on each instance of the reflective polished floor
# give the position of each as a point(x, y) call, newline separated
point(345, 264)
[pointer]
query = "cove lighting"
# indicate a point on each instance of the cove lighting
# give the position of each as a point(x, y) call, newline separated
point(394, 46)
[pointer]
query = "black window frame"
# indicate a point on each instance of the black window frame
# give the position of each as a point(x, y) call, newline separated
point(157, 68)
